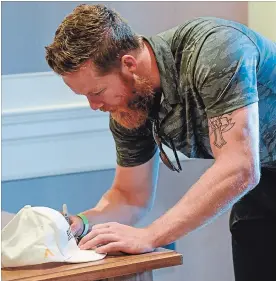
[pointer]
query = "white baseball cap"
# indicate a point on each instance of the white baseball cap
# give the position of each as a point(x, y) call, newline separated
point(38, 235)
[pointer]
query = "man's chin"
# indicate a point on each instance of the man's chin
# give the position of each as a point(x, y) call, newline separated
point(128, 121)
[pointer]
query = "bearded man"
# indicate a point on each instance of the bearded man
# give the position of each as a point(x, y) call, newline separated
point(206, 88)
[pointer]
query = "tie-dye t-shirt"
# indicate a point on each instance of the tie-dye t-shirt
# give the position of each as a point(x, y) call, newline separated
point(208, 67)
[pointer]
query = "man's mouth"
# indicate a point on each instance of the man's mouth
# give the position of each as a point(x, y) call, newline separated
point(107, 109)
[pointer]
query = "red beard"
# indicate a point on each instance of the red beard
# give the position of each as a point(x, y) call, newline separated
point(136, 111)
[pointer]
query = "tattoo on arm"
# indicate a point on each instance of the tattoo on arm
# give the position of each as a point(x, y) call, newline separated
point(218, 126)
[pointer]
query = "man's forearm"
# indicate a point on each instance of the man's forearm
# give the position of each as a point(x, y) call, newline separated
point(215, 192)
point(113, 206)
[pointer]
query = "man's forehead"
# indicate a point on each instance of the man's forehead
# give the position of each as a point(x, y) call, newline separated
point(83, 81)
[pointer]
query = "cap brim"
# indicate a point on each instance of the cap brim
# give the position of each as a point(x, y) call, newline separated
point(85, 256)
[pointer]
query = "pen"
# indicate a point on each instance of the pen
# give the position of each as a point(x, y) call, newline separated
point(65, 213)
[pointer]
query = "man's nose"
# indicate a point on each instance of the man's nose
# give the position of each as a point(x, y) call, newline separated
point(95, 105)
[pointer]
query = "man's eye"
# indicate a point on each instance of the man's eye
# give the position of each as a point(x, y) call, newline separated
point(97, 93)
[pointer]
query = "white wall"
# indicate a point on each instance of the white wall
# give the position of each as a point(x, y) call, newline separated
point(262, 18)
point(51, 131)
point(28, 26)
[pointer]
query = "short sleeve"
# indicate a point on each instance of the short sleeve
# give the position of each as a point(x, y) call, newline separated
point(133, 147)
point(225, 71)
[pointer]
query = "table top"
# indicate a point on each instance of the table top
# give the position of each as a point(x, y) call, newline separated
point(111, 266)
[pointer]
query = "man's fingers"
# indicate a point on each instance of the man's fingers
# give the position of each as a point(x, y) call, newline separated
point(99, 240)
point(85, 239)
point(110, 247)
point(93, 233)
point(101, 225)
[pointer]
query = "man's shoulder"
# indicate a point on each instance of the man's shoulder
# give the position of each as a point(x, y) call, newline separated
point(170, 33)
point(189, 30)
point(193, 29)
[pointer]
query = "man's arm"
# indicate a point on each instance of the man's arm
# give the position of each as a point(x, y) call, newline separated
point(130, 197)
point(234, 141)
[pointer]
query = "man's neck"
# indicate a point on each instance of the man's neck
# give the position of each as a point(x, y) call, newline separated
point(148, 66)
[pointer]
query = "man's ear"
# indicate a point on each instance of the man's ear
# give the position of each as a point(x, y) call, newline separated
point(129, 64)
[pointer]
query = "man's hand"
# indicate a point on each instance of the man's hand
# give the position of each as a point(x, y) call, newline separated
point(76, 225)
point(115, 237)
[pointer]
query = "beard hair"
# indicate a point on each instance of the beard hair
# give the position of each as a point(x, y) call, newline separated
point(130, 119)
point(136, 111)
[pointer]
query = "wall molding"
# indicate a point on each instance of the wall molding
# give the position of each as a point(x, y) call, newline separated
point(48, 131)
point(60, 136)
point(45, 142)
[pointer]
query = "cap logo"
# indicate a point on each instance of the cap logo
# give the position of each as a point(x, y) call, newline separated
point(47, 253)
point(69, 234)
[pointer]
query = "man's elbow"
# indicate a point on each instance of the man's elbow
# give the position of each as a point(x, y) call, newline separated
point(143, 207)
point(147, 206)
point(146, 199)
point(251, 175)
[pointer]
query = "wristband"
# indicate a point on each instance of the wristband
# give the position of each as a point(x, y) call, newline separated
point(85, 224)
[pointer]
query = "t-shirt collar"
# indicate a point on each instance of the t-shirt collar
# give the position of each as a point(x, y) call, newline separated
point(166, 66)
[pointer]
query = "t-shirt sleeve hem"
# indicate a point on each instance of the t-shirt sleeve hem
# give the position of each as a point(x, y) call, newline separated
point(229, 109)
point(137, 162)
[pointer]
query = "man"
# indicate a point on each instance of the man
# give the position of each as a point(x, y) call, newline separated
point(206, 88)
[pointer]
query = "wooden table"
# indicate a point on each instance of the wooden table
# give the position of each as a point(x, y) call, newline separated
point(119, 267)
